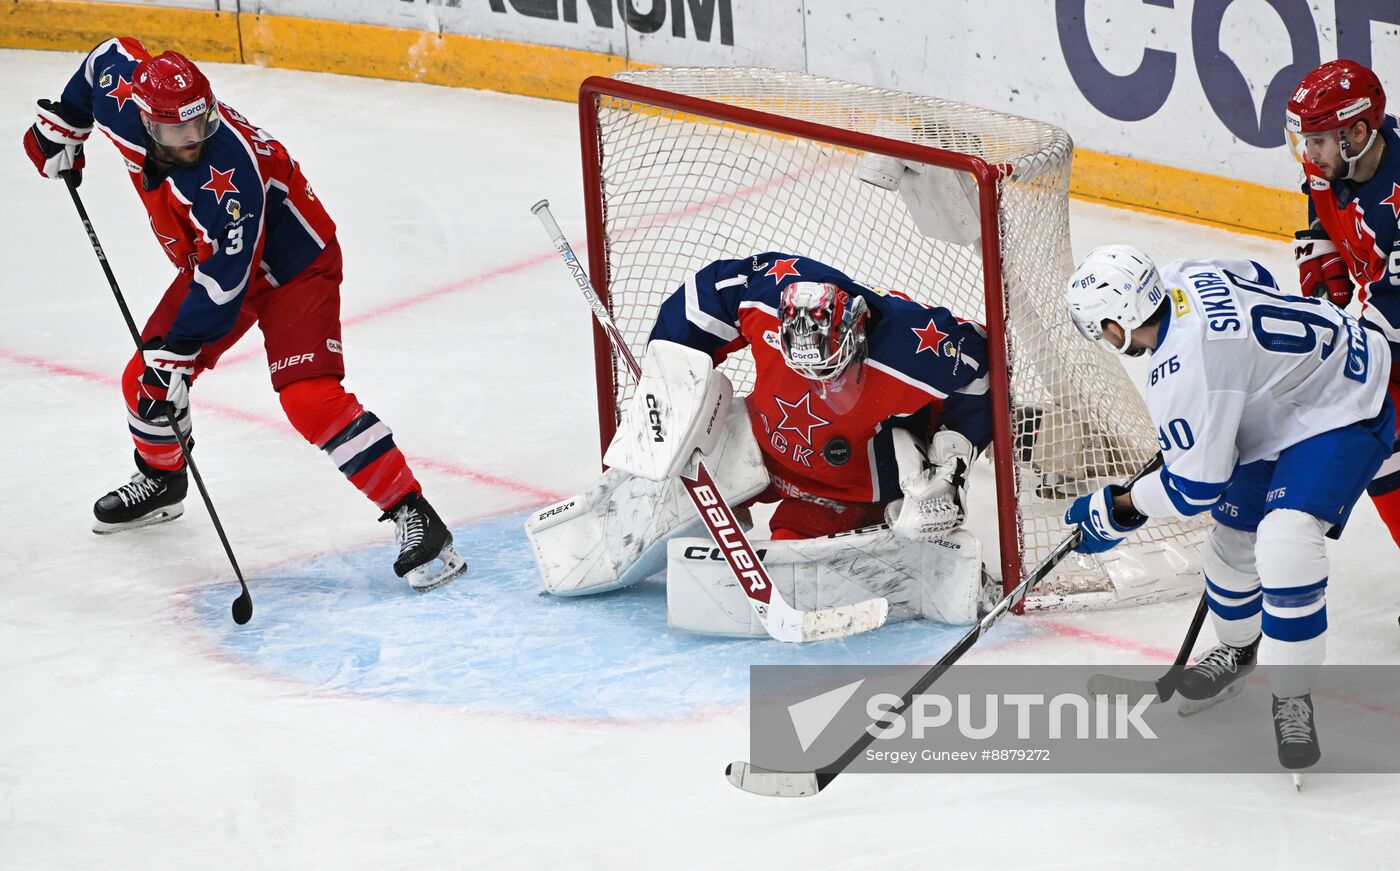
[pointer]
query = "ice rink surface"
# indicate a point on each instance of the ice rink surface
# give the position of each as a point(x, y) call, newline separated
point(355, 724)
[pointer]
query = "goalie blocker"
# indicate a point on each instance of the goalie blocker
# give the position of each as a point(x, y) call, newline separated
point(616, 533)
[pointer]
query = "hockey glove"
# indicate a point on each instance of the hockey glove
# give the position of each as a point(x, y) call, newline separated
point(1100, 527)
point(164, 388)
point(55, 143)
point(1321, 270)
point(935, 497)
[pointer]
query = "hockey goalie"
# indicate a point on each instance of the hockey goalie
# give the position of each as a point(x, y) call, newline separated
point(866, 412)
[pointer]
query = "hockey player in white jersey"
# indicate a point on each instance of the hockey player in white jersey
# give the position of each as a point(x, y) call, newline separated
point(1272, 413)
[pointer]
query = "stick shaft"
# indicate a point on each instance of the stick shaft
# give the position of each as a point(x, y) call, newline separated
point(244, 595)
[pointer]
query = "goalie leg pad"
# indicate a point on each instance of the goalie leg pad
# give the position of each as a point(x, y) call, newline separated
point(937, 580)
point(615, 534)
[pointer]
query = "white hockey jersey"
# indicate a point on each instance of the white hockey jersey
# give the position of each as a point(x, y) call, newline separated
point(1243, 372)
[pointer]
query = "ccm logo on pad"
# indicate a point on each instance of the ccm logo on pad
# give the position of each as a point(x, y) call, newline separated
point(654, 415)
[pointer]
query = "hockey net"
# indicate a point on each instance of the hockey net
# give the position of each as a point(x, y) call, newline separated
point(686, 166)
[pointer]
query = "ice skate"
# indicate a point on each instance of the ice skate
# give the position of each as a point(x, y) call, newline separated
point(426, 556)
point(1216, 677)
point(151, 496)
point(1295, 730)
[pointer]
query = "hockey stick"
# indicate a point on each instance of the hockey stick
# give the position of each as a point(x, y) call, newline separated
point(792, 784)
point(780, 619)
point(1164, 686)
point(243, 605)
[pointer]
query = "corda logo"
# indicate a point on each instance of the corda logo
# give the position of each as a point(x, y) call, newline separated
point(654, 415)
point(837, 452)
point(193, 110)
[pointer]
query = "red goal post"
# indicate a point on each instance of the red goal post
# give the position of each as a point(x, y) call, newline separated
point(685, 166)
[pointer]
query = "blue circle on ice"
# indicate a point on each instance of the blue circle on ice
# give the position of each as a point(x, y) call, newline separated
point(490, 641)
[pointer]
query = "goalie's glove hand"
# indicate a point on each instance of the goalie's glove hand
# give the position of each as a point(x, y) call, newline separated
point(55, 143)
point(1321, 270)
point(935, 498)
point(1100, 527)
point(164, 388)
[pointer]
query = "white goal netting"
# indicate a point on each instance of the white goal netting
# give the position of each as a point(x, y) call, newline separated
point(680, 187)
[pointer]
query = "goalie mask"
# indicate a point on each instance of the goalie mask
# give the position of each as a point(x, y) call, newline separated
point(1115, 283)
point(822, 338)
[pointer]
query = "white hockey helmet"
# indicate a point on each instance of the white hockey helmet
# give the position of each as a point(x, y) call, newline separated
point(1115, 283)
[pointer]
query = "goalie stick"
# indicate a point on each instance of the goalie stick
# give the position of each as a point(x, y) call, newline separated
point(779, 619)
point(795, 784)
point(243, 605)
point(1164, 686)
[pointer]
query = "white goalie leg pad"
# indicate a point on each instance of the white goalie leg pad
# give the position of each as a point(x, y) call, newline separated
point(937, 580)
point(615, 534)
point(679, 407)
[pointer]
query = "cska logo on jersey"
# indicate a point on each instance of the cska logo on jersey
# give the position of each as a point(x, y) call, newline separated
point(782, 269)
point(121, 93)
point(220, 183)
point(798, 417)
point(1393, 200)
point(930, 337)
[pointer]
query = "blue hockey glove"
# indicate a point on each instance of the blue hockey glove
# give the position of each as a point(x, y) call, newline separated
point(1099, 526)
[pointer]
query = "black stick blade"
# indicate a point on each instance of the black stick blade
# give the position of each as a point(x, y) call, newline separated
point(243, 608)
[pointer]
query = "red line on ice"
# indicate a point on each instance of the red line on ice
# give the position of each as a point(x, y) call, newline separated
point(440, 466)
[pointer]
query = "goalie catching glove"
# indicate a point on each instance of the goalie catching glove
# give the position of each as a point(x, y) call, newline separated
point(679, 408)
point(934, 487)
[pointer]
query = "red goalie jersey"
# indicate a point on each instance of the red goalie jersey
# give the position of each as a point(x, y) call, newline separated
point(925, 370)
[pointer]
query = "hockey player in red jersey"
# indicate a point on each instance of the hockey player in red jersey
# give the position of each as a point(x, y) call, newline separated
point(1350, 151)
point(251, 243)
point(866, 408)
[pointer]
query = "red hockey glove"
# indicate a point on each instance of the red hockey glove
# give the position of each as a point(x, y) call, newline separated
point(164, 389)
point(55, 144)
point(1321, 270)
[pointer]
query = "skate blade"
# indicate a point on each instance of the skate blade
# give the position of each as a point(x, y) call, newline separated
point(1191, 707)
point(424, 578)
point(160, 515)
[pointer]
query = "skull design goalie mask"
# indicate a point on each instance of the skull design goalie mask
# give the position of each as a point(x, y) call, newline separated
point(822, 338)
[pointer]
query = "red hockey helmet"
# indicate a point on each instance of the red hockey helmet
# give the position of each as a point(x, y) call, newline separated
point(177, 105)
point(1331, 98)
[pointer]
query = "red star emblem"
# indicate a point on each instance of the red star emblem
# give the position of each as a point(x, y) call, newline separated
point(798, 417)
point(121, 93)
point(1393, 200)
point(930, 337)
point(782, 269)
point(220, 183)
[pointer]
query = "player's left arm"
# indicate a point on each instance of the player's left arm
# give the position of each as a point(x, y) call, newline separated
point(231, 219)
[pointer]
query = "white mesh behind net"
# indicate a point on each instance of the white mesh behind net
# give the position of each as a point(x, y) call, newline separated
point(680, 190)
